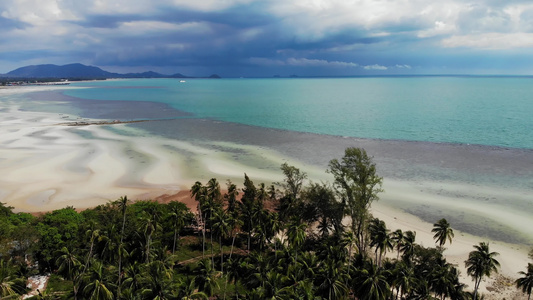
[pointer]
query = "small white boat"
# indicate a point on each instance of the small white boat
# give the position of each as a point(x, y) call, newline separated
point(182, 80)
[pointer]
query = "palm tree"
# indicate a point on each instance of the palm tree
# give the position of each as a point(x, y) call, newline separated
point(68, 263)
point(204, 278)
point(11, 285)
point(481, 262)
point(333, 277)
point(247, 207)
point(443, 232)
point(156, 283)
point(221, 227)
point(372, 283)
point(408, 246)
point(94, 235)
point(96, 286)
point(442, 279)
point(398, 239)
point(133, 277)
point(379, 235)
point(526, 281)
point(177, 213)
point(123, 205)
point(404, 278)
point(150, 224)
point(296, 234)
point(199, 192)
point(187, 290)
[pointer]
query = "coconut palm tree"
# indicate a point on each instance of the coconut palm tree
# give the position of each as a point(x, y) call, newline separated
point(398, 239)
point(296, 234)
point(380, 238)
point(332, 276)
point(526, 281)
point(199, 192)
point(177, 213)
point(221, 228)
point(68, 264)
point(371, 283)
point(11, 285)
point(204, 278)
point(481, 262)
point(150, 224)
point(95, 283)
point(122, 203)
point(157, 283)
point(443, 232)
point(408, 246)
point(187, 290)
point(404, 278)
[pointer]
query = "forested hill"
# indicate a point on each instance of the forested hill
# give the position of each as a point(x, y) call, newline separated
point(80, 71)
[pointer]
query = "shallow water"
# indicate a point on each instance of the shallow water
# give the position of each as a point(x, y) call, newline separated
point(469, 110)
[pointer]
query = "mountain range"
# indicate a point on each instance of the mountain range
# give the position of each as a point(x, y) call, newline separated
point(80, 71)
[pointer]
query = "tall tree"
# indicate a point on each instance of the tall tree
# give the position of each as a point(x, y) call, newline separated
point(177, 214)
point(122, 203)
point(380, 238)
point(398, 239)
point(292, 186)
point(480, 263)
point(358, 184)
point(248, 207)
point(296, 234)
point(408, 245)
point(443, 232)
point(526, 281)
point(205, 277)
point(150, 224)
point(199, 192)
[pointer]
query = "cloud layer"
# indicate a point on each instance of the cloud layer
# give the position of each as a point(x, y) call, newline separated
point(266, 37)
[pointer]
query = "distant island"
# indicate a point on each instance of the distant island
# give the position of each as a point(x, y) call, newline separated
point(77, 71)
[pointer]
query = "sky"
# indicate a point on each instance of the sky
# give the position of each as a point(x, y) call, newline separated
point(248, 38)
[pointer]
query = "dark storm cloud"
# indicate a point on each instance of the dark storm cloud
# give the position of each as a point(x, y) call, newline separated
point(335, 37)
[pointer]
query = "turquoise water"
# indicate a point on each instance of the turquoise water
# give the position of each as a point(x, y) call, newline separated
point(468, 110)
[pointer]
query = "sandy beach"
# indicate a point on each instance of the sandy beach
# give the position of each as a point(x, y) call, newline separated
point(48, 165)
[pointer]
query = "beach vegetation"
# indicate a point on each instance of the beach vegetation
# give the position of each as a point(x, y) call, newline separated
point(281, 241)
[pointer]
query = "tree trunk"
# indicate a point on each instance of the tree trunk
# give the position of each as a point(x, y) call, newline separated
point(221, 255)
point(174, 244)
point(120, 254)
point(148, 241)
point(476, 286)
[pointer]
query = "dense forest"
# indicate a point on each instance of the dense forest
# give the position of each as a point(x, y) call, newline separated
point(289, 240)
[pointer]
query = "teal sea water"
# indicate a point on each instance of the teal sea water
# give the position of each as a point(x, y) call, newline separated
point(493, 111)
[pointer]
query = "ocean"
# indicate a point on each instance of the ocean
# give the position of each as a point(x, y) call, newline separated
point(454, 147)
point(491, 111)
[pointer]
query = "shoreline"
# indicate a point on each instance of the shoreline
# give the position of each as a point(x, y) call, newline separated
point(49, 165)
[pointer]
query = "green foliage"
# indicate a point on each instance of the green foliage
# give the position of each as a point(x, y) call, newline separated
point(358, 185)
point(480, 263)
point(12, 283)
point(526, 281)
point(443, 232)
point(56, 230)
